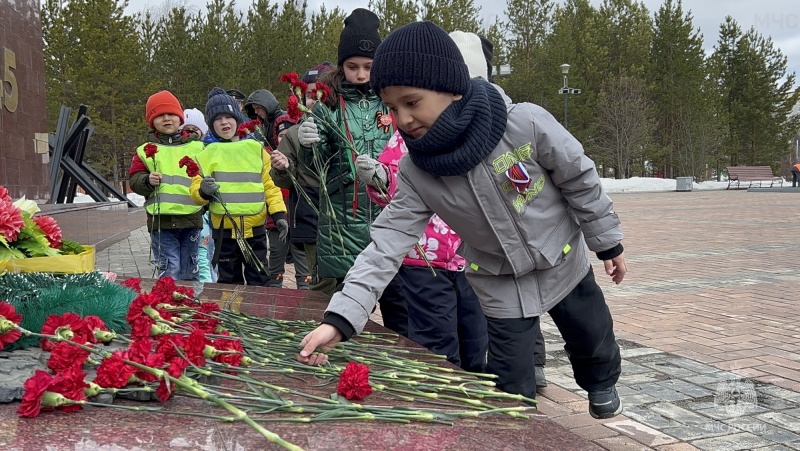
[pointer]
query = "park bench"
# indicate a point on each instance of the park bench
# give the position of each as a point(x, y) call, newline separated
point(760, 174)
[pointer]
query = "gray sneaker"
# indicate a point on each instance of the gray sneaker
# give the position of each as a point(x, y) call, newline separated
point(541, 381)
point(604, 403)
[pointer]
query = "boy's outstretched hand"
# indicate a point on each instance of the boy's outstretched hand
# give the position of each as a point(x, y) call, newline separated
point(616, 268)
point(326, 337)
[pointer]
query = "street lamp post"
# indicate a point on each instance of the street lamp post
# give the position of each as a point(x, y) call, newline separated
point(566, 90)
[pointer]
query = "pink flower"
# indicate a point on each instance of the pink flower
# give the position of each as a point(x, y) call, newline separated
point(51, 229)
point(11, 221)
point(4, 194)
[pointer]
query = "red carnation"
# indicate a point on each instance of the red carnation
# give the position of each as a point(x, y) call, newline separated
point(321, 91)
point(34, 387)
point(9, 320)
point(177, 365)
point(4, 194)
point(141, 327)
point(11, 221)
point(142, 305)
point(165, 286)
point(98, 332)
point(293, 108)
point(113, 372)
point(68, 325)
point(70, 384)
point(354, 382)
point(192, 169)
point(248, 128)
point(299, 87)
point(51, 229)
point(194, 345)
point(232, 351)
point(65, 356)
point(134, 284)
point(168, 345)
point(150, 150)
point(289, 77)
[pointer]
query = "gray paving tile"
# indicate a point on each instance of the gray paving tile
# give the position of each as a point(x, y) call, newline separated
point(732, 442)
point(689, 432)
point(687, 388)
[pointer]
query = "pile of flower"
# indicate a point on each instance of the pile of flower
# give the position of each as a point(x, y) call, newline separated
point(176, 340)
point(22, 235)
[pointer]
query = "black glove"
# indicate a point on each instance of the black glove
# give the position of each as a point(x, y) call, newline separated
point(209, 186)
point(283, 229)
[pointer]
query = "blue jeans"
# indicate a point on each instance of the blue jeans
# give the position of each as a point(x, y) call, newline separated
point(175, 252)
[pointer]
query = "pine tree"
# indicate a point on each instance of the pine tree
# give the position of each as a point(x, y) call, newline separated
point(677, 72)
point(453, 14)
point(219, 35)
point(106, 72)
point(527, 27)
point(323, 39)
point(394, 13)
point(756, 95)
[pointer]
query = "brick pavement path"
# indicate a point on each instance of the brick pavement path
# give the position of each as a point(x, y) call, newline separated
point(706, 319)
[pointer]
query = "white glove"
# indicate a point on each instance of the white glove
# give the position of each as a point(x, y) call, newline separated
point(308, 133)
point(371, 171)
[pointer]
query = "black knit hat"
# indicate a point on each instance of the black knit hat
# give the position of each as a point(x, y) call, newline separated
point(313, 74)
point(360, 35)
point(220, 102)
point(421, 55)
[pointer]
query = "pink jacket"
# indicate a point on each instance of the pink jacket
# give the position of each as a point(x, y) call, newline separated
point(439, 242)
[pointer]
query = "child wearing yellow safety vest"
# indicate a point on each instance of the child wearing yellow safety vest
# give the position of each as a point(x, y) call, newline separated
point(235, 177)
point(174, 220)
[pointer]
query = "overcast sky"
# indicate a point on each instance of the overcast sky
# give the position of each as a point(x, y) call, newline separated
point(779, 19)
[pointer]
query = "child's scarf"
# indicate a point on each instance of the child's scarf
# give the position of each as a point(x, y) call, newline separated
point(464, 134)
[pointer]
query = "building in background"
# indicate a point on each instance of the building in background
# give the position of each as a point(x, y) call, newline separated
point(23, 112)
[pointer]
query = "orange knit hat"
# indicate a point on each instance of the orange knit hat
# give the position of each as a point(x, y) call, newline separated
point(162, 102)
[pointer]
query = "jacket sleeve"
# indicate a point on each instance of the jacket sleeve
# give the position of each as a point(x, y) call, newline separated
point(288, 146)
point(138, 177)
point(576, 177)
point(272, 194)
point(194, 191)
point(394, 232)
point(390, 159)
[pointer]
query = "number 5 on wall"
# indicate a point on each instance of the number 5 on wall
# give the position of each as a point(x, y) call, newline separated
point(9, 99)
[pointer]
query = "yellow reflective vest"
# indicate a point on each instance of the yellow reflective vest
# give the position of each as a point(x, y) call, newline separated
point(241, 170)
point(172, 196)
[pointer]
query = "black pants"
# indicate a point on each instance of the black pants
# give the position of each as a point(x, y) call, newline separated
point(586, 325)
point(445, 316)
point(795, 177)
point(232, 267)
point(393, 306)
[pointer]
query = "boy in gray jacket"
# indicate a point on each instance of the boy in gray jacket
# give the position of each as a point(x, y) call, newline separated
point(523, 196)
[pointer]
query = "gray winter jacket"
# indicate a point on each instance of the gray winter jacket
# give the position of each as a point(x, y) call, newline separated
point(524, 252)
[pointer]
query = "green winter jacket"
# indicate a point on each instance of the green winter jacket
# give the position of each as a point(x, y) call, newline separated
point(346, 211)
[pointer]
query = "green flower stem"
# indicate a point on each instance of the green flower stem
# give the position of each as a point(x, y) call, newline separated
point(194, 388)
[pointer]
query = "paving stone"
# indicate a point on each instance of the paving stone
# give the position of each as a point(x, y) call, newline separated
point(732, 442)
point(778, 392)
point(637, 352)
point(650, 418)
point(771, 432)
point(783, 420)
point(660, 392)
point(641, 433)
point(687, 388)
point(712, 428)
point(773, 448)
point(641, 378)
point(678, 414)
point(634, 368)
point(669, 368)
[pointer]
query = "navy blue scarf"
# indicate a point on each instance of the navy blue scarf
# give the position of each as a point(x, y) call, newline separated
point(464, 134)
